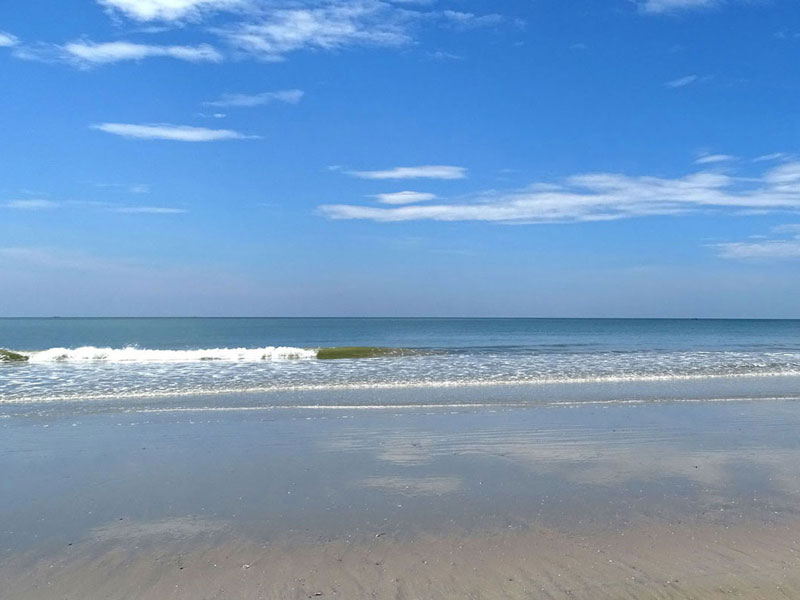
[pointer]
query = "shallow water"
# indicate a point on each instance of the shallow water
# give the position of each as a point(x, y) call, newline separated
point(89, 359)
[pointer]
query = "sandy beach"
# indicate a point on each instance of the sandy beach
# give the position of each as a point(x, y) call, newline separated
point(660, 500)
point(647, 560)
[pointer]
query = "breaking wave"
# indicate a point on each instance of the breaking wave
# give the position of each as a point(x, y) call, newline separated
point(133, 354)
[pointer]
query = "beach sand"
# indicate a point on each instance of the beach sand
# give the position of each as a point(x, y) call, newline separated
point(648, 560)
point(670, 500)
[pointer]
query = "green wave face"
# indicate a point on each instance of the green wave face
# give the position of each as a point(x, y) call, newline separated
point(8, 356)
point(358, 352)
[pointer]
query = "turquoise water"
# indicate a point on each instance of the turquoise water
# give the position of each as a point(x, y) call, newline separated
point(74, 360)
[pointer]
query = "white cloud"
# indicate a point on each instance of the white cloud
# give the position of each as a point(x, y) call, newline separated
point(709, 159)
point(150, 210)
point(39, 204)
point(266, 29)
point(111, 52)
point(247, 100)
point(328, 27)
point(168, 10)
point(420, 172)
point(770, 157)
point(468, 20)
point(7, 40)
point(670, 6)
point(31, 204)
point(442, 55)
point(603, 197)
point(86, 53)
point(404, 197)
point(785, 177)
point(133, 188)
point(774, 248)
point(682, 81)
point(165, 131)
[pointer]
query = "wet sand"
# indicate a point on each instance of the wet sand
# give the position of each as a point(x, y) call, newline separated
point(661, 500)
point(646, 561)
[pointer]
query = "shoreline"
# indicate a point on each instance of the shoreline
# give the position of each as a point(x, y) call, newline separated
point(617, 385)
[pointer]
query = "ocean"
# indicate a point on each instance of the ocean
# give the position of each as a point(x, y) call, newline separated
point(77, 361)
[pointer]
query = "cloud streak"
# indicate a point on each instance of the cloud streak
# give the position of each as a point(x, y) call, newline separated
point(468, 20)
point(710, 159)
point(602, 197)
point(36, 204)
point(775, 248)
point(150, 210)
point(657, 7)
point(418, 172)
point(166, 131)
point(404, 197)
point(682, 81)
point(250, 100)
point(90, 53)
point(31, 204)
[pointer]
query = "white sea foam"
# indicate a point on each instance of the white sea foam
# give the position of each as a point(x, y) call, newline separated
point(378, 386)
point(133, 354)
point(99, 373)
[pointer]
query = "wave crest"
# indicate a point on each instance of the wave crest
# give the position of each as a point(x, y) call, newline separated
point(133, 354)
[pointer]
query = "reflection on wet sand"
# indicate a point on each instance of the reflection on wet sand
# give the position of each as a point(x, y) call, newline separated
point(652, 501)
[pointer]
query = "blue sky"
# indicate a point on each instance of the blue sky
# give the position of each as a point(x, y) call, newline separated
point(387, 157)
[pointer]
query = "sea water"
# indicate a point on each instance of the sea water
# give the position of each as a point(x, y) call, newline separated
point(265, 360)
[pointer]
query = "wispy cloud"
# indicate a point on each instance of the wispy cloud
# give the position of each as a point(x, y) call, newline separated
point(150, 210)
point(407, 197)
point(7, 40)
point(442, 55)
point(31, 204)
point(168, 10)
point(35, 204)
point(248, 100)
point(331, 26)
point(709, 159)
point(90, 53)
point(682, 81)
point(267, 30)
point(603, 197)
point(419, 172)
point(771, 157)
point(132, 209)
point(655, 7)
point(468, 20)
point(133, 188)
point(165, 131)
point(86, 54)
point(772, 248)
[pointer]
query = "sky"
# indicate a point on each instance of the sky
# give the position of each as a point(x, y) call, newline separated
point(590, 158)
